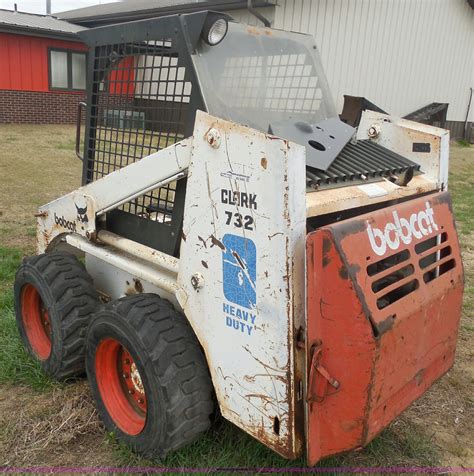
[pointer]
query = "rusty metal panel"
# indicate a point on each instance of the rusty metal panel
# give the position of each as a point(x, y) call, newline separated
point(384, 301)
point(241, 270)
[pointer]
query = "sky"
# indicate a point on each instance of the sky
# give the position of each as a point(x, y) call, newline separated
point(39, 6)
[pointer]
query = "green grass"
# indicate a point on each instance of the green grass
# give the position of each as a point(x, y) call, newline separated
point(461, 186)
point(402, 444)
point(16, 366)
point(70, 145)
point(462, 191)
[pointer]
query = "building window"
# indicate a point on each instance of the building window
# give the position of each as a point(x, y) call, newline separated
point(67, 70)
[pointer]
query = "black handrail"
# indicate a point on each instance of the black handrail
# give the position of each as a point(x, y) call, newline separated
point(80, 106)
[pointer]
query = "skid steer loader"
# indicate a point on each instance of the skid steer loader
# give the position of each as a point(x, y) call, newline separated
point(235, 245)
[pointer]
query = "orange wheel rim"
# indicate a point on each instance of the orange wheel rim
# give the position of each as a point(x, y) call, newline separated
point(120, 386)
point(36, 322)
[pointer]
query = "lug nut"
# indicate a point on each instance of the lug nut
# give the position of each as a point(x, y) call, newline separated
point(125, 375)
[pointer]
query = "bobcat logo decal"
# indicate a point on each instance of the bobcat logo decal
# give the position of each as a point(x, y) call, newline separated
point(82, 214)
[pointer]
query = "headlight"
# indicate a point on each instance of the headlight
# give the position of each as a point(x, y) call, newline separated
point(214, 30)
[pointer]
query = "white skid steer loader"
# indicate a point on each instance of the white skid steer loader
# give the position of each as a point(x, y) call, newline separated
point(234, 244)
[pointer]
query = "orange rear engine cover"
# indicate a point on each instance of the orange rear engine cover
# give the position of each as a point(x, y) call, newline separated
point(384, 302)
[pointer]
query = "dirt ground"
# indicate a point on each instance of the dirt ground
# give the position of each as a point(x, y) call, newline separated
point(59, 425)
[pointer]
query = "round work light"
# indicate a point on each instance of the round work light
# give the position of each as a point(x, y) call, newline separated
point(214, 30)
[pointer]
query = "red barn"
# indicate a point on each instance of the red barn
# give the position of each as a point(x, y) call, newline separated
point(42, 69)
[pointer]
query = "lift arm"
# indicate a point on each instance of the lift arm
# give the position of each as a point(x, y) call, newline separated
point(77, 211)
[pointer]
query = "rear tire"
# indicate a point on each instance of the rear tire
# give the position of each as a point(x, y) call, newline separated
point(148, 375)
point(54, 301)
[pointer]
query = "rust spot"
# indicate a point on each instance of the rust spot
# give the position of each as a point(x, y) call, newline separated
point(343, 273)
point(239, 259)
point(351, 227)
point(386, 324)
point(419, 376)
point(274, 234)
point(202, 240)
point(300, 340)
point(326, 251)
point(349, 425)
point(204, 264)
point(217, 242)
point(183, 235)
point(253, 31)
point(263, 163)
point(353, 269)
point(138, 285)
point(261, 396)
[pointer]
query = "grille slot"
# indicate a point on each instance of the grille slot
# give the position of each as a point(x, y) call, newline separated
point(392, 278)
point(388, 280)
point(361, 162)
point(397, 293)
point(388, 262)
point(400, 274)
point(435, 257)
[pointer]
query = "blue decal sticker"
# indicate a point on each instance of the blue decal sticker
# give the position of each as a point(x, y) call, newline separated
point(240, 270)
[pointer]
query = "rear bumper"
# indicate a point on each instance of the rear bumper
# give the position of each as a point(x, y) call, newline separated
point(384, 302)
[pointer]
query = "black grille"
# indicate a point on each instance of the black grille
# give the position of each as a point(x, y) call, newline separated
point(141, 104)
point(142, 96)
point(362, 161)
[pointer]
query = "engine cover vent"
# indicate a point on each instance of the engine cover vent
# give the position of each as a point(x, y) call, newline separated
point(363, 161)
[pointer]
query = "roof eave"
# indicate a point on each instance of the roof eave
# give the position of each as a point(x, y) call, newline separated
point(28, 31)
point(121, 17)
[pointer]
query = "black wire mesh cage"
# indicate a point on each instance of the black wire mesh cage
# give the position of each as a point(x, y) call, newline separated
point(141, 107)
point(142, 97)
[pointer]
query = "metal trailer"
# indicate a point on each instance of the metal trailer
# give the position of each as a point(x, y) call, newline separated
point(235, 246)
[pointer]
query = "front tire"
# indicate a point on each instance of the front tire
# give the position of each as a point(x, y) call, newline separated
point(54, 301)
point(148, 375)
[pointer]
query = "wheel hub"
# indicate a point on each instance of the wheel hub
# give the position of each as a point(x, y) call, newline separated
point(132, 381)
point(136, 379)
point(36, 321)
point(121, 386)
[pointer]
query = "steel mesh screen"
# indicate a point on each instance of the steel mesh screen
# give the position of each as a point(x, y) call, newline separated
point(140, 102)
point(259, 77)
point(290, 85)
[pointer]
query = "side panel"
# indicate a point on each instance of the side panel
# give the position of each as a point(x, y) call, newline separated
point(337, 326)
point(384, 303)
point(242, 272)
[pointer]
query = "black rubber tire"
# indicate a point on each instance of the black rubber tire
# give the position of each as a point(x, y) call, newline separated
point(172, 367)
point(69, 297)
